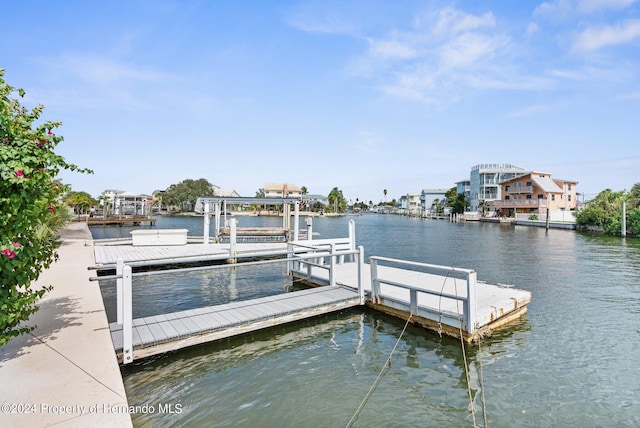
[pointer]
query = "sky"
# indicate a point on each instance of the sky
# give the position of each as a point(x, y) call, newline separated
point(359, 95)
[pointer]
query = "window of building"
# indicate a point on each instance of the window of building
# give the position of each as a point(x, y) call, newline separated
point(528, 196)
point(553, 197)
point(569, 186)
point(541, 196)
point(506, 188)
point(506, 198)
point(569, 198)
point(528, 184)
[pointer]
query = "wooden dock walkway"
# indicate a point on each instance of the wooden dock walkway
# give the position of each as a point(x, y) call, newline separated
point(163, 333)
point(118, 220)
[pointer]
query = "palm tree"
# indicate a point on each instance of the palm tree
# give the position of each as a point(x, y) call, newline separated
point(483, 207)
point(385, 195)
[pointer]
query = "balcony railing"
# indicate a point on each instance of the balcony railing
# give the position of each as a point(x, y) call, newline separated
point(518, 203)
point(520, 189)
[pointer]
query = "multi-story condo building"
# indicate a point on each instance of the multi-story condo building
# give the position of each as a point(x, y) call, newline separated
point(485, 182)
point(536, 192)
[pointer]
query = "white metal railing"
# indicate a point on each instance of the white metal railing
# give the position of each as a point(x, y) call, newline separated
point(124, 282)
point(469, 314)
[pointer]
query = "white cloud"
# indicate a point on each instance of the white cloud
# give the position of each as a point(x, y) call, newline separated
point(468, 49)
point(453, 21)
point(594, 38)
point(391, 49)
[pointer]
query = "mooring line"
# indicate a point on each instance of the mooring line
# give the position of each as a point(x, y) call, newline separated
point(464, 352)
point(387, 364)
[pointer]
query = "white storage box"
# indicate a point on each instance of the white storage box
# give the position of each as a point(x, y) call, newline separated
point(159, 237)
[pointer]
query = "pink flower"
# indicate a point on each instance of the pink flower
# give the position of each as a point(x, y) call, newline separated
point(51, 208)
point(49, 132)
point(19, 173)
point(16, 244)
point(7, 252)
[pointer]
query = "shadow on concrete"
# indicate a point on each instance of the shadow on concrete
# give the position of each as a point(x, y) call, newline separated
point(53, 316)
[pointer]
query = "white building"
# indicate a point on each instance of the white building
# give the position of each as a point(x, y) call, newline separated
point(119, 202)
point(485, 182)
point(429, 196)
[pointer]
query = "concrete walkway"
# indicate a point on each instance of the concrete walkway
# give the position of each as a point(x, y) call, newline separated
point(65, 372)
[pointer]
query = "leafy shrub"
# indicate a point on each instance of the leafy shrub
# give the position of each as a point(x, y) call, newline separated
point(30, 211)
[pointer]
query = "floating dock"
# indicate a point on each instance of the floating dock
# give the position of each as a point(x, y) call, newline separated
point(118, 220)
point(163, 333)
point(444, 299)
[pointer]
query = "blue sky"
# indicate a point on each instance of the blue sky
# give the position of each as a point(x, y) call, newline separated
point(359, 95)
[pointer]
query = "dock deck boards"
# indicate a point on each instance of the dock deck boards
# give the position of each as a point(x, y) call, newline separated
point(109, 254)
point(162, 333)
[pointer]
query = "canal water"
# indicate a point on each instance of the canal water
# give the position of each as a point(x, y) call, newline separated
point(572, 362)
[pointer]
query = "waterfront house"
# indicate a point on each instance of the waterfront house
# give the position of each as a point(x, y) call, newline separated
point(484, 183)
point(428, 198)
point(286, 190)
point(535, 193)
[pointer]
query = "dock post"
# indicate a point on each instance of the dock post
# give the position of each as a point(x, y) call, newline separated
point(289, 257)
point(360, 269)
point(352, 237)
point(217, 214)
point(207, 222)
point(309, 221)
point(119, 266)
point(471, 309)
point(296, 221)
point(332, 265)
point(233, 252)
point(127, 320)
point(624, 219)
point(375, 282)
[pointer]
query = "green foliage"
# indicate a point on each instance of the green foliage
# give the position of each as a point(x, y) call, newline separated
point(184, 194)
point(81, 202)
point(337, 202)
point(30, 211)
point(533, 217)
point(456, 201)
point(604, 212)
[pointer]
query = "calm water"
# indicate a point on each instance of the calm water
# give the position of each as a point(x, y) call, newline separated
point(572, 362)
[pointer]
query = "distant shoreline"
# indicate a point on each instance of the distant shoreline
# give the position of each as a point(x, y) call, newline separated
point(262, 213)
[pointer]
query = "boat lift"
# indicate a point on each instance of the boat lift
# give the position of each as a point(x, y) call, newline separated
point(219, 203)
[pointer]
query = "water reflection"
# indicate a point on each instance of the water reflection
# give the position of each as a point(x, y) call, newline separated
point(313, 373)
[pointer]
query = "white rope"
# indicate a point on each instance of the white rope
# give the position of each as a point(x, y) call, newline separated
point(464, 352)
point(484, 406)
point(387, 364)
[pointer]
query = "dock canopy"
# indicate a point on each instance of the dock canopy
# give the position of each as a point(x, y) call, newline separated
point(239, 200)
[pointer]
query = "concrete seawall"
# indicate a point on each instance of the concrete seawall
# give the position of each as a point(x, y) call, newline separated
point(65, 372)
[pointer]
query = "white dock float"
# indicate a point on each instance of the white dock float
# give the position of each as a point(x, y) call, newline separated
point(438, 301)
